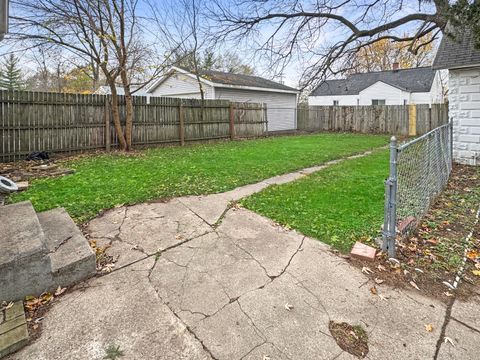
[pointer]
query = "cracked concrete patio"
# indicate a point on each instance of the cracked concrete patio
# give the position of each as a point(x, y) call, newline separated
point(196, 278)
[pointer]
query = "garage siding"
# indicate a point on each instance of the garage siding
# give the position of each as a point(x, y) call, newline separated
point(281, 108)
point(182, 86)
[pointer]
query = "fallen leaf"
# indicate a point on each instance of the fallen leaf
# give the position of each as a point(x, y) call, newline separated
point(394, 261)
point(379, 281)
point(60, 291)
point(108, 268)
point(414, 285)
point(447, 340)
point(472, 254)
point(373, 290)
point(288, 307)
point(366, 270)
point(448, 285)
point(429, 327)
point(476, 272)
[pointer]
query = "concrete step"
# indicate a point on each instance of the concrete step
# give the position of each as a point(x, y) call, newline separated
point(24, 262)
point(72, 259)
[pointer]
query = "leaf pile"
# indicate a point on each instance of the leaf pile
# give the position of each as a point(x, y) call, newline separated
point(352, 339)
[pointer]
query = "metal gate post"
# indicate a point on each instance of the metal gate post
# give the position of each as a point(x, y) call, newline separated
point(390, 216)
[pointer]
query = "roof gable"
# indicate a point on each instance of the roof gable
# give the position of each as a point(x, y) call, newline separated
point(384, 83)
point(410, 80)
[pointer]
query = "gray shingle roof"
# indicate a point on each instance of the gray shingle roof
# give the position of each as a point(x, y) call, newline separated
point(225, 78)
point(412, 80)
point(457, 52)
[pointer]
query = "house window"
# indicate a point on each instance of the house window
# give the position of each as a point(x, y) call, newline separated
point(378, 101)
point(335, 102)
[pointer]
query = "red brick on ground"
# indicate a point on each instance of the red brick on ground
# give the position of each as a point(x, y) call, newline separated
point(362, 251)
point(407, 224)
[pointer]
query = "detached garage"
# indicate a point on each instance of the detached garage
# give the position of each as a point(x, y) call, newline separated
point(281, 100)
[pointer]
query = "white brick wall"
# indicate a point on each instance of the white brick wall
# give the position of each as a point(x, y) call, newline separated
point(464, 109)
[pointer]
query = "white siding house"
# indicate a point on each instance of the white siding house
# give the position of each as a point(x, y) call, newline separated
point(462, 60)
point(393, 87)
point(280, 99)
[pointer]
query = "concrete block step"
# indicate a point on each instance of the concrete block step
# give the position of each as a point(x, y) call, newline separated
point(72, 259)
point(24, 261)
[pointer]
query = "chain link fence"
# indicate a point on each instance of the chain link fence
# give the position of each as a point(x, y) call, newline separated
point(419, 170)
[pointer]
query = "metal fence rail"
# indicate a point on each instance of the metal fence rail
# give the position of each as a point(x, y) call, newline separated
point(419, 170)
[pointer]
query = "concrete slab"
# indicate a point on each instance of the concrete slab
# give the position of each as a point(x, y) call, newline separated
point(395, 323)
point(210, 207)
point(229, 334)
point(468, 312)
point(270, 245)
point(119, 309)
point(286, 178)
point(71, 257)
point(24, 261)
point(20, 233)
point(210, 268)
point(301, 332)
point(465, 343)
point(108, 224)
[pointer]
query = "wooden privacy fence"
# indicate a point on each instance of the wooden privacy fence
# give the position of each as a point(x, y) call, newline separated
point(58, 122)
point(404, 120)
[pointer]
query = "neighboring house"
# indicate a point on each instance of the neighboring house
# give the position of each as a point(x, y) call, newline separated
point(105, 90)
point(393, 87)
point(462, 60)
point(281, 100)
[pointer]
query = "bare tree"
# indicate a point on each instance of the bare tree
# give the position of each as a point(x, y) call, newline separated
point(327, 35)
point(104, 33)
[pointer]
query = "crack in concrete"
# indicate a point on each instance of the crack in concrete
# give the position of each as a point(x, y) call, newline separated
point(222, 216)
point(290, 260)
point(465, 324)
point(189, 329)
point(446, 321)
point(251, 257)
point(63, 242)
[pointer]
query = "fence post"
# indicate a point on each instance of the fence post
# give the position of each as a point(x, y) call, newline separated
point(390, 211)
point(232, 125)
point(412, 120)
point(181, 125)
point(107, 124)
point(451, 142)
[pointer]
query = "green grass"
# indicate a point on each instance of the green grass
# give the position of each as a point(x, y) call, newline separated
point(338, 205)
point(104, 181)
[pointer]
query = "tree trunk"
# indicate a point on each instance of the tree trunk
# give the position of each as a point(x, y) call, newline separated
point(128, 109)
point(116, 117)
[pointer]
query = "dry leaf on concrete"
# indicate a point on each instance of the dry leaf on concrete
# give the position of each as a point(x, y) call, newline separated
point(429, 327)
point(414, 285)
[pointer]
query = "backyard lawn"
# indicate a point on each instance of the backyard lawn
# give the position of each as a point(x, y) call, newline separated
point(338, 205)
point(104, 181)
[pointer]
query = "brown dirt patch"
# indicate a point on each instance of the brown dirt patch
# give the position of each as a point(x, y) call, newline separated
point(352, 339)
point(433, 253)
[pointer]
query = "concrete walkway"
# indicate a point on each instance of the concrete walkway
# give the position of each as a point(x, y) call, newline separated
point(196, 279)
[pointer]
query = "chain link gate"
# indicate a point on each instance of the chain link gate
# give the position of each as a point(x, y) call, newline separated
point(419, 171)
